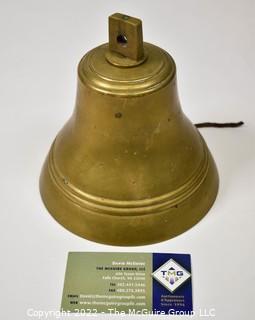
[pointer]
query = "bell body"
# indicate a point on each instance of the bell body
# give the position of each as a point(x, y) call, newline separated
point(128, 168)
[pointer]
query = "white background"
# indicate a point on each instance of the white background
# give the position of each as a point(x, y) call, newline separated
point(41, 43)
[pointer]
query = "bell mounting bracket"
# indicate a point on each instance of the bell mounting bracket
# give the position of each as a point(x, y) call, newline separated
point(125, 41)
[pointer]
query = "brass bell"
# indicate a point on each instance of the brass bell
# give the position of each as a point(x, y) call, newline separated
point(128, 168)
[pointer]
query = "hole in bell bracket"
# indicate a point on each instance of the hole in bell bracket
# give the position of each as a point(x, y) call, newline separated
point(122, 40)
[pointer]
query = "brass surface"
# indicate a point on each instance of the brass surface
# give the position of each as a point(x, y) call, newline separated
point(128, 168)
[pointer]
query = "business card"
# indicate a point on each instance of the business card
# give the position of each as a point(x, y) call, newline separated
point(127, 283)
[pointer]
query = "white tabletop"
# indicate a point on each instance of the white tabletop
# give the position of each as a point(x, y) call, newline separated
point(41, 43)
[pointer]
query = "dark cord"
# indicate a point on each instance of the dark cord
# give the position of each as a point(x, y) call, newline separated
point(219, 125)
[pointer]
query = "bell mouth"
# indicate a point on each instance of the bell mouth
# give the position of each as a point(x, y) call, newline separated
point(129, 223)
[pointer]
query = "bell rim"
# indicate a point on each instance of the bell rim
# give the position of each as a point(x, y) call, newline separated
point(173, 226)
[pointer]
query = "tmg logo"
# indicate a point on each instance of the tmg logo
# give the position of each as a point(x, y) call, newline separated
point(171, 275)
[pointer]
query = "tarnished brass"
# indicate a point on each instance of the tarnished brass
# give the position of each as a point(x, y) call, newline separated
point(128, 168)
